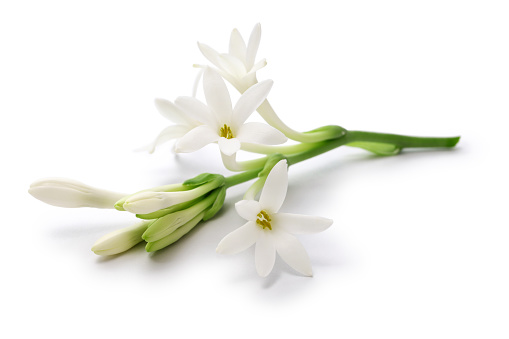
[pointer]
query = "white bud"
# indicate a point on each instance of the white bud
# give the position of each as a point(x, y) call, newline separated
point(120, 240)
point(63, 192)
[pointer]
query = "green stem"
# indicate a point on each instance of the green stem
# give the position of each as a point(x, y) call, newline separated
point(317, 148)
point(402, 141)
point(241, 177)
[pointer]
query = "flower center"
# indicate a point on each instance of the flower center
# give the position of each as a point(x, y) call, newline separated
point(225, 132)
point(264, 220)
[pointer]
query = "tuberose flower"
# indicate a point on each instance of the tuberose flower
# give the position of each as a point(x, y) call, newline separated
point(223, 124)
point(64, 192)
point(183, 123)
point(272, 231)
point(239, 65)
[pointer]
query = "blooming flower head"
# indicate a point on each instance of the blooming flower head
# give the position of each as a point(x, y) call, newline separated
point(238, 66)
point(222, 123)
point(272, 231)
point(183, 123)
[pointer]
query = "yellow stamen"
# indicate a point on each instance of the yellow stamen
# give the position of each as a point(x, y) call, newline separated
point(264, 220)
point(226, 132)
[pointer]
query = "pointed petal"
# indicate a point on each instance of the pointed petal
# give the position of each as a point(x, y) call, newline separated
point(265, 254)
point(274, 190)
point(197, 110)
point(259, 133)
point(211, 54)
point(240, 239)
point(195, 139)
point(237, 45)
point(259, 65)
point(249, 101)
point(233, 65)
point(217, 96)
point(293, 253)
point(229, 146)
point(252, 46)
point(167, 134)
point(248, 209)
point(300, 224)
point(171, 112)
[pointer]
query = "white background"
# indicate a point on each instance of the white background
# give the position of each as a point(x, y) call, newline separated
point(420, 242)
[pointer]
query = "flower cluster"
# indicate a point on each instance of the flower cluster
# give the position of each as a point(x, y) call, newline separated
point(167, 213)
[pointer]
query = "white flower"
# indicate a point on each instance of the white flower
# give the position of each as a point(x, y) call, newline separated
point(223, 124)
point(272, 231)
point(120, 240)
point(238, 66)
point(63, 192)
point(183, 123)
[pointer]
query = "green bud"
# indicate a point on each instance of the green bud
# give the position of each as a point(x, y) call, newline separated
point(175, 235)
point(168, 210)
point(169, 223)
point(204, 178)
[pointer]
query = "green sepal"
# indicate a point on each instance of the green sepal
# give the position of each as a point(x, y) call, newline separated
point(272, 160)
point(204, 178)
point(377, 147)
point(119, 205)
point(217, 205)
point(171, 209)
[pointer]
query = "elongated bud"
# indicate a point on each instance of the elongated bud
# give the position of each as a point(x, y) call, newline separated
point(120, 240)
point(69, 193)
point(148, 202)
point(169, 223)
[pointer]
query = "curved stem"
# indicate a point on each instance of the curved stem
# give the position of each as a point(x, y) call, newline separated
point(231, 164)
point(401, 141)
point(269, 115)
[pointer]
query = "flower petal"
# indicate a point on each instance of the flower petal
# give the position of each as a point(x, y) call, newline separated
point(259, 133)
point(211, 54)
point(259, 65)
point(167, 134)
point(197, 110)
point(171, 112)
point(195, 139)
point(293, 253)
point(233, 65)
point(252, 46)
point(248, 209)
point(274, 190)
point(300, 224)
point(63, 192)
point(217, 96)
point(229, 146)
point(240, 239)
point(237, 45)
point(265, 253)
point(249, 101)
